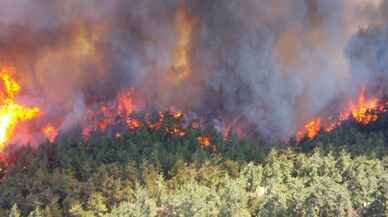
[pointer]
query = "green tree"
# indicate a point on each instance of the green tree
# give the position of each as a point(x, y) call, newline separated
point(97, 204)
point(143, 206)
point(15, 212)
point(379, 207)
point(37, 212)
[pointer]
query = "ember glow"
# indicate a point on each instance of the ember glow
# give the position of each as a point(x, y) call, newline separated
point(11, 113)
point(133, 123)
point(50, 132)
point(204, 141)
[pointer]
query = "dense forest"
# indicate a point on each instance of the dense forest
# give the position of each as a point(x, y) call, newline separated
point(148, 172)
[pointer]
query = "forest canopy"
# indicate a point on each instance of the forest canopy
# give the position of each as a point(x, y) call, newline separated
point(150, 172)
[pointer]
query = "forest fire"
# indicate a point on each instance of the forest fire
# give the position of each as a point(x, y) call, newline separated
point(363, 111)
point(11, 113)
point(101, 100)
point(50, 132)
point(121, 110)
point(112, 75)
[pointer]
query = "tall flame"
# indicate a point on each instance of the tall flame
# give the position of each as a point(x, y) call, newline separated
point(11, 113)
point(184, 29)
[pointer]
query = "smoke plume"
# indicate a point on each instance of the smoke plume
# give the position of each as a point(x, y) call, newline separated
point(272, 64)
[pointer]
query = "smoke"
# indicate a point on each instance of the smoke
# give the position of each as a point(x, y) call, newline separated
point(280, 64)
point(274, 64)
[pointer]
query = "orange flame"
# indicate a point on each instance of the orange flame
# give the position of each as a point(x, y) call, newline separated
point(133, 123)
point(204, 141)
point(177, 115)
point(363, 112)
point(310, 130)
point(50, 132)
point(11, 113)
point(177, 131)
point(184, 27)
point(107, 114)
point(125, 103)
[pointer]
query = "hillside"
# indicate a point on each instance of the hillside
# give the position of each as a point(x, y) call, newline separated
point(151, 172)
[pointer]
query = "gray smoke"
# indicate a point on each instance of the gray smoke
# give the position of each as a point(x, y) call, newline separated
point(275, 64)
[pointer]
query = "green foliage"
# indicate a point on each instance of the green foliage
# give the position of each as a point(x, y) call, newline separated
point(193, 200)
point(150, 173)
point(15, 212)
point(380, 206)
point(37, 212)
point(141, 206)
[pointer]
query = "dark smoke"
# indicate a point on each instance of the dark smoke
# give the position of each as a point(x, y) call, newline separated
point(274, 64)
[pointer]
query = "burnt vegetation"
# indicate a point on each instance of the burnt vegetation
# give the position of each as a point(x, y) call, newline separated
point(150, 171)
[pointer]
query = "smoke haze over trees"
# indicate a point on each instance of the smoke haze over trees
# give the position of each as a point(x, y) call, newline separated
point(277, 64)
